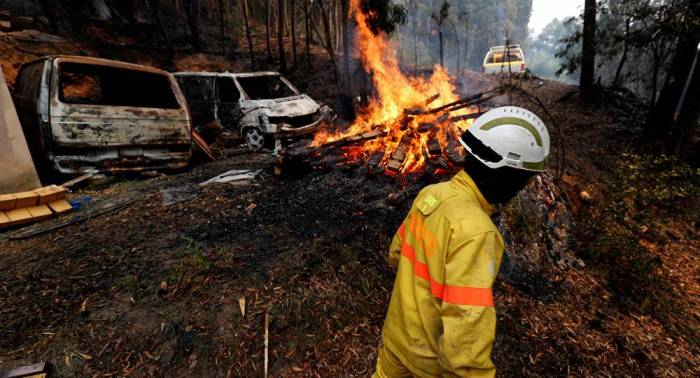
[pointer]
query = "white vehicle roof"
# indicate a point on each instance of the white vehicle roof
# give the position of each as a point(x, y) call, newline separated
point(499, 48)
point(228, 74)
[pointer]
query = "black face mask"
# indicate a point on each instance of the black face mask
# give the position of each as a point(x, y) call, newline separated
point(497, 185)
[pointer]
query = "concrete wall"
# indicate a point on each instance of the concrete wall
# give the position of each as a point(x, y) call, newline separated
point(17, 172)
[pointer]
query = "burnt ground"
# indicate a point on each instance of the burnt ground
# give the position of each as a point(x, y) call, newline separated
point(154, 289)
point(600, 279)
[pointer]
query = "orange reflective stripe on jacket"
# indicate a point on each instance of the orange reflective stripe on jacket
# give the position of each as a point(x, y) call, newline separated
point(460, 295)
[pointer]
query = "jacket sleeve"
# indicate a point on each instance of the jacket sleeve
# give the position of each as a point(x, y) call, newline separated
point(395, 247)
point(467, 310)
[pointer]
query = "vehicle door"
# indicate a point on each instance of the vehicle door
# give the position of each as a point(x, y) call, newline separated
point(228, 107)
point(198, 92)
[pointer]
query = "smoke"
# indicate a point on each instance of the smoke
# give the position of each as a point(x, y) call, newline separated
point(470, 29)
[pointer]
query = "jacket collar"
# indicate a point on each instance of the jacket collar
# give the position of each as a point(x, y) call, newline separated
point(463, 180)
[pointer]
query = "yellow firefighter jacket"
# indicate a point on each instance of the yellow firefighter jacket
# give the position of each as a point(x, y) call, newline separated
point(441, 319)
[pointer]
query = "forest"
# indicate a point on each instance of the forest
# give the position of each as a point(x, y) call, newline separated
point(213, 187)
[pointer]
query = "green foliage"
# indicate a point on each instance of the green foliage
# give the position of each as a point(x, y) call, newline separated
point(136, 285)
point(633, 42)
point(442, 15)
point(469, 29)
point(383, 16)
point(644, 189)
point(672, 190)
point(543, 53)
point(197, 254)
point(524, 222)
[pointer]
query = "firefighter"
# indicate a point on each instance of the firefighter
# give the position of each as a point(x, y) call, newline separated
point(441, 320)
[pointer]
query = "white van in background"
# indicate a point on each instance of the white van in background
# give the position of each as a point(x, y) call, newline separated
point(498, 58)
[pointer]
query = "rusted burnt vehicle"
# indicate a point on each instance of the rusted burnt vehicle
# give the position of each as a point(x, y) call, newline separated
point(81, 114)
point(264, 107)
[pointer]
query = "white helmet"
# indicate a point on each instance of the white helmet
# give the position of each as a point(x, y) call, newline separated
point(509, 137)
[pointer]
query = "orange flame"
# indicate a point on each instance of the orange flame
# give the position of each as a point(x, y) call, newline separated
point(396, 92)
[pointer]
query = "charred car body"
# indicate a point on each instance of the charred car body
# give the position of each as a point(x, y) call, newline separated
point(263, 106)
point(81, 114)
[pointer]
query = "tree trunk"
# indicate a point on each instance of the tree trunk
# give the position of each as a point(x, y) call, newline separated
point(347, 95)
point(48, 12)
point(459, 50)
point(337, 23)
point(280, 34)
point(102, 10)
point(688, 107)
point(662, 116)
point(689, 116)
point(244, 4)
point(623, 58)
point(466, 41)
point(155, 13)
point(285, 12)
point(294, 34)
point(308, 34)
point(415, 47)
point(656, 65)
point(130, 13)
point(192, 15)
point(441, 51)
point(329, 44)
point(222, 35)
point(268, 10)
point(588, 49)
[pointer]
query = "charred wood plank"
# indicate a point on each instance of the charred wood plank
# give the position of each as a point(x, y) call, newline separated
point(413, 111)
point(434, 147)
point(399, 154)
point(463, 102)
point(431, 99)
point(466, 100)
point(300, 151)
point(203, 145)
point(425, 126)
point(466, 116)
point(375, 159)
point(361, 137)
point(477, 102)
point(455, 157)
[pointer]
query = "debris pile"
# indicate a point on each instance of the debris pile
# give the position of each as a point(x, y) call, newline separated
point(32, 206)
point(422, 139)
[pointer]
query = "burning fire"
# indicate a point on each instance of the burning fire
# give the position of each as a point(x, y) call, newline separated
point(396, 94)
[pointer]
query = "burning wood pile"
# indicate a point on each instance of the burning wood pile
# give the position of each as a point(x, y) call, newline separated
point(422, 138)
point(412, 125)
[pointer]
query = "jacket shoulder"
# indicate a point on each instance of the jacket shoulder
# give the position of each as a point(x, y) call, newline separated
point(432, 196)
point(459, 206)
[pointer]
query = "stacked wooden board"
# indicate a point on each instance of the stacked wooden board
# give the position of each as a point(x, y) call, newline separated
point(32, 206)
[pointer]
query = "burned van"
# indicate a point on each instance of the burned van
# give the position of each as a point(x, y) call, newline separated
point(81, 114)
point(263, 106)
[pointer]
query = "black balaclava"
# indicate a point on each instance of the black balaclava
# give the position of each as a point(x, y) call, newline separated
point(497, 185)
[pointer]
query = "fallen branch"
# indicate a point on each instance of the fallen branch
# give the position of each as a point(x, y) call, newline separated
point(350, 139)
point(461, 103)
point(466, 116)
point(266, 341)
point(399, 155)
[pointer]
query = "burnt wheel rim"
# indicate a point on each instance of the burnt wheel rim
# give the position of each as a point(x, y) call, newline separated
point(254, 139)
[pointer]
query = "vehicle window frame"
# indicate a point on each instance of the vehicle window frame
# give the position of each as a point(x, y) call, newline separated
point(234, 87)
point(24, 76)
point(247, 96)
point(168, 104)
